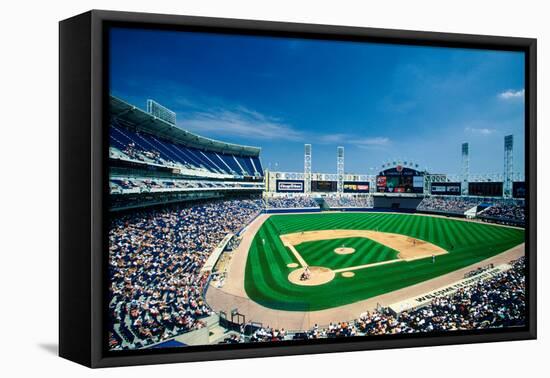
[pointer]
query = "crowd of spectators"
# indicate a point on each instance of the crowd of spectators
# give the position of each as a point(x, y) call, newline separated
point(350, 201)
point(511, 211)
point(498, 210)
point(137, 153)
point(479, 270)
point(448, 204)
point(268, 334)
point(155, 259)
point(495, 302)
point(290, 202)
point(144, 185)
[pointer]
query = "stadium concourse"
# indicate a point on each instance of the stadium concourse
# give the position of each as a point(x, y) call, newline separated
point(178, 199)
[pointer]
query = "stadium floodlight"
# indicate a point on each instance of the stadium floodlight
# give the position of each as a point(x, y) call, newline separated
point(340, 169)
point(465, 168)
point(307, 168)
point(161, 112)
point(508, 165)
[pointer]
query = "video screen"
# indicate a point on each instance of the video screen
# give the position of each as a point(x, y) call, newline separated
point(356, 187)
point(400, 180)
point(486, 189)
point(323, 186)
point(266, 189)
point(290, 186)
point(446, 188)
point(519, 189)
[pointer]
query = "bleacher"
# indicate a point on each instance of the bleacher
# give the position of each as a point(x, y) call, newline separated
point(129, 185)
point(147, 148)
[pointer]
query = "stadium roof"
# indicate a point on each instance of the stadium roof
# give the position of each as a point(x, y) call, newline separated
point(148, 123)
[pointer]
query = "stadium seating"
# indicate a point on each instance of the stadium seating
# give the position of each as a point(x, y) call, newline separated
point(350, 202)
point(150, 149)
point(290, 202)
point(493, 209)
point(512, 211)
point(154, 265)
point(144, 184)
point(448, 204)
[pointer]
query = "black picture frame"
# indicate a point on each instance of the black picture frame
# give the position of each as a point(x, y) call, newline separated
point(83, 104)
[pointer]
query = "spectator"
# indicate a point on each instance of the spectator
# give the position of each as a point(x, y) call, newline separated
point(155, 259)
point(290, 202)
point(350, 201)
point(448, 204)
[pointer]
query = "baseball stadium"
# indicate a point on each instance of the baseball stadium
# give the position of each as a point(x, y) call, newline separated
point(208, 246)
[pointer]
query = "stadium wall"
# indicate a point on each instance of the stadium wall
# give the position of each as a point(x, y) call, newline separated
point(396, 203)
point(293, 210)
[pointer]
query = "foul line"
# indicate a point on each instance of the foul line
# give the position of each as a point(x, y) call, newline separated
point(297, 255)
point(367, 265)
point(303, 262)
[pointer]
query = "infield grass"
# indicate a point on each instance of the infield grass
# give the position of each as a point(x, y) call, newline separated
point(266, 272)
point(321, 252)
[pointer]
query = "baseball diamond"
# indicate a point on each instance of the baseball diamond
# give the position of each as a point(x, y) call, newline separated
point(266, 276)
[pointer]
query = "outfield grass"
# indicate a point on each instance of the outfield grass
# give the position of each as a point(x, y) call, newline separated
point(266, 268)
point(321, 252)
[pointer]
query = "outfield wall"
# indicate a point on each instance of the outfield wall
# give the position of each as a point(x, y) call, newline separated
point(293, 210)
point(396, 203)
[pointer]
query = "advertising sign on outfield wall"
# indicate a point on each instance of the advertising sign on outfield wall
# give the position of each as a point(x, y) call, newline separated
point(356, 187)
point(447, 188)
point(290, 186)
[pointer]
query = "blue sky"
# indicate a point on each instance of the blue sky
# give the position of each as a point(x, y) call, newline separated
point(381, 102)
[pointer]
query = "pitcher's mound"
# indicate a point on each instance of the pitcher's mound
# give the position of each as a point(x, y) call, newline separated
point(344, 251)
point(318, 276)
point(292, 265)
point(348, 274)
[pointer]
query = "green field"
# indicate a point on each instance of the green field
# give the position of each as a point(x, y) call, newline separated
point(266, 272)
point(321, 252)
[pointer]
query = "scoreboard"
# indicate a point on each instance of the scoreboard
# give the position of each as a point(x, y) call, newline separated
point(356, 186)
point(519, 189)
point(400, 180)
point(485, 189)
point(323, 186)
point(290, 186)
point(446, 188)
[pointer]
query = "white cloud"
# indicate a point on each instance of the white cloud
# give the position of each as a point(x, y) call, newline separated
point(372, 143)
point(376, 141)
point(240, 122)
point(480, 130)
point(511, 94)
point(334, 138)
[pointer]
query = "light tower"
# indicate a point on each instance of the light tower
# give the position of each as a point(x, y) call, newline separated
point(162, 112)
point(465, 168)
point(307, 168)
point(508, 165)
point(340, 170)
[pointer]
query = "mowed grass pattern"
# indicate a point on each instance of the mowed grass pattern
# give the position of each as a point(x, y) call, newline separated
point(266, 272)
point(321, 252)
